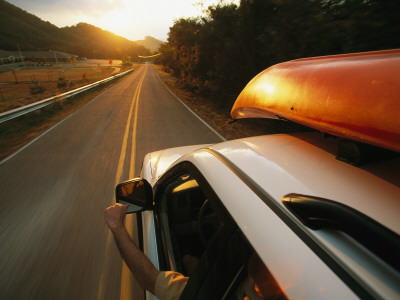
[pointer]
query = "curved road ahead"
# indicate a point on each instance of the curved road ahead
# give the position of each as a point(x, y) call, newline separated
point(54, 243)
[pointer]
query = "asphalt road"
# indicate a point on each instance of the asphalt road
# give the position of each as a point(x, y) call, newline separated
point(54, 243)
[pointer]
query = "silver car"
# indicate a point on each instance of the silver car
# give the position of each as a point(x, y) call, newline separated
point(301, 216)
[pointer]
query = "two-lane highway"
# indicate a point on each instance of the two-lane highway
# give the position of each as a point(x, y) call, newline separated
point(54, 243)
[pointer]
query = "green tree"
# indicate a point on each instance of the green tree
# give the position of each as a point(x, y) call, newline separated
point(219, 53)
point(182, 40)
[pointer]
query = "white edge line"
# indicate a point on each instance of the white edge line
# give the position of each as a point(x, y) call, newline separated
point(48, 130)
point(195, 114)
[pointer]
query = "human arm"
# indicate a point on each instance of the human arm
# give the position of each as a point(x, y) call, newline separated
point(141, 267)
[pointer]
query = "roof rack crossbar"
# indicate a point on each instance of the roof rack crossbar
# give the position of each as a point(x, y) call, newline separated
point(317, 213)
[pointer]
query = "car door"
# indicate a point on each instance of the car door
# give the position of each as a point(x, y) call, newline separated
point(196, 236)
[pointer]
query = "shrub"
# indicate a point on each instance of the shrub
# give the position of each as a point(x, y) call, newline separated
point(37, 89)
point(61, 83)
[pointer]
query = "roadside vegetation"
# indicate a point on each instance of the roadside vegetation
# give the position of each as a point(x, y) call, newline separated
point(25, 85)
point(220, 118)
point(17, 132)
point(215, 56)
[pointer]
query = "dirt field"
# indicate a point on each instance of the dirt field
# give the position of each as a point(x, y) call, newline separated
point(16, 84)
point(16, 133)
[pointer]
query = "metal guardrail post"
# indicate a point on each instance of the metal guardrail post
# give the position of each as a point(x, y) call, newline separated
point(20, 111)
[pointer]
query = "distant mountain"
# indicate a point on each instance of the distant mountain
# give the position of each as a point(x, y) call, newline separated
point(102, 43)
point(19, 28)
point(150, 43)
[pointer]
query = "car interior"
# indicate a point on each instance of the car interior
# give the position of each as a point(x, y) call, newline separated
point(222, 256)
point(188, 221)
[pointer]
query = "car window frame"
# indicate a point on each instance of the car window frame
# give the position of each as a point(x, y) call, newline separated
point(164, 181)
point(231, 229)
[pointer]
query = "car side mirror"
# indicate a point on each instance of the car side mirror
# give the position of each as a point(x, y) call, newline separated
point(137, 193)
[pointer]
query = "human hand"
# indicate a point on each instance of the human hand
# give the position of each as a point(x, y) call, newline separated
point(115, 215)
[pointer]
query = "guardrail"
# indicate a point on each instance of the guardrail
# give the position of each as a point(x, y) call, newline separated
point(17, 112)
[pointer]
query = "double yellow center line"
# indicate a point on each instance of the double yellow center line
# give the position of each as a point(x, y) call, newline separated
point(135, 102)
point(126, 277)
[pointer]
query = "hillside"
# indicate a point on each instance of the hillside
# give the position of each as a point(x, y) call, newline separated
point(100, 43)
point(150, 43)
point(19, 28)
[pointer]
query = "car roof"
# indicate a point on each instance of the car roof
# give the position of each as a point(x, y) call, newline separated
point(160, 161)
point(306, 164)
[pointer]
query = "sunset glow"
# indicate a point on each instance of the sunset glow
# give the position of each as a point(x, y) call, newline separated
point(133, 20)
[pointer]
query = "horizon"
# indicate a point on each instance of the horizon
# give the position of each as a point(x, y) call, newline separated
point(153, 18)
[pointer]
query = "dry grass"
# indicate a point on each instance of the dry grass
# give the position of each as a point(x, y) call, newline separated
point(14, 95)
point(18, 132)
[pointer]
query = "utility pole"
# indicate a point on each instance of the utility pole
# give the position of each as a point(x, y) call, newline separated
point(2, 96)
point(55, 55)
point(15, 75)
point(20, 55)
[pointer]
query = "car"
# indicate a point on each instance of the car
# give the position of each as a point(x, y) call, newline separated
point(311, 215)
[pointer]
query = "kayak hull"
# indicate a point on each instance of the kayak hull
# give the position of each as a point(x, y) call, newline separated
point(353, 96)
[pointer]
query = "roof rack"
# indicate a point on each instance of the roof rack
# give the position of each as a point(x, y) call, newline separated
point(317, 213)
point(357, 154)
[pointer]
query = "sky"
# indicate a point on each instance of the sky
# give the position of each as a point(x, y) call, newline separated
point(132, 19)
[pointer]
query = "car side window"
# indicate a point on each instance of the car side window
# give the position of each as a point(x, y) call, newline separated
point(202, 241)
point(186, 222)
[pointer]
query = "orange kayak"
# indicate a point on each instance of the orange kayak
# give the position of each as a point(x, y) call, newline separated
point(353, 96)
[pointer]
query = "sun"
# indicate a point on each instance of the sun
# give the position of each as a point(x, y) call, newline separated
point(116, 21)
